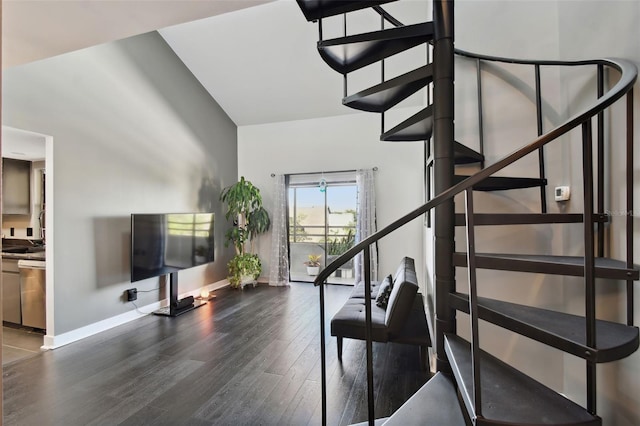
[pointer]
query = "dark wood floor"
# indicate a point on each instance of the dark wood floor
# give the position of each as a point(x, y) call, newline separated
point(248, 358)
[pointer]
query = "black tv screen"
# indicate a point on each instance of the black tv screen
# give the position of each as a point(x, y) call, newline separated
point(168, 242)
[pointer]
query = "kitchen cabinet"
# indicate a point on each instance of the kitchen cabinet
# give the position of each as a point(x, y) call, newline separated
point(16, 186)
point(11, 298)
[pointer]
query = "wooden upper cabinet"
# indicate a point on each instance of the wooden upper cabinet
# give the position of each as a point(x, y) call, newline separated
point(16, 187)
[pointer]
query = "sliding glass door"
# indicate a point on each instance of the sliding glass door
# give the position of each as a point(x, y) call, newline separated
point(322, 224)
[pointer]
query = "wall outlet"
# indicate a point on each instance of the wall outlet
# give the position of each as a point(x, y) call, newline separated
point(131, 294)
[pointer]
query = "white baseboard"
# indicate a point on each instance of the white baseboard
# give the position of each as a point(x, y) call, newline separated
point(56, 341)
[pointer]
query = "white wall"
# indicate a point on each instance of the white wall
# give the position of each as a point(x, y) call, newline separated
point(509, 123)
point(550, 30)
point(618, 384)
point(133, 132)
point(340, 143)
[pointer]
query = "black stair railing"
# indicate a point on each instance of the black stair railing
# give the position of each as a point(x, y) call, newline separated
point(479, 60)
point(476, 398)
point(629, 199)
point(628, 74)
point(468, 185)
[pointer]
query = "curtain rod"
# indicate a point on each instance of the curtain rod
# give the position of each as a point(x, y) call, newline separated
point(375, 169)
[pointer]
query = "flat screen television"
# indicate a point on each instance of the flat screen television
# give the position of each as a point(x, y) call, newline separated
point(169, 242)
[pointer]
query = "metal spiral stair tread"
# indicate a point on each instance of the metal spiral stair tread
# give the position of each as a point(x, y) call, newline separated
point(418, 127)
point(318, 9)
point(483, 219)
point(548, 264)
point(435, 404)
point(563, 331)
point(383, 96)
point(503, 183)
point(465, 155)
point(347, 54)
point(510, 396)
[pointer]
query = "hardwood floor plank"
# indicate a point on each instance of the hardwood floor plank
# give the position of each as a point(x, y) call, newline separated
point(356, 408)
point(242, 410)
point(145, 416)
point(302, 406)
point(279, 400)
point(250, 357)
point(242, 382)
point(293, 350)
point(128, 412)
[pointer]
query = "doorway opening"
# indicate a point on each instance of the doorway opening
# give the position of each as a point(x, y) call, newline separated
point(28, 313)
point(322, 224)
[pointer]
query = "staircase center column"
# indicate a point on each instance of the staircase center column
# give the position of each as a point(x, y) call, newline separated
point(443, 140)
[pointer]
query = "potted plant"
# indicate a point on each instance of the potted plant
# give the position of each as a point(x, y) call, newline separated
point(244, 206)
point(313, 264)
point(244, 269)
point(338, 246)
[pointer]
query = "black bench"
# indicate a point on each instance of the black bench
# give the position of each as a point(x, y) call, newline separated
point(402, 321)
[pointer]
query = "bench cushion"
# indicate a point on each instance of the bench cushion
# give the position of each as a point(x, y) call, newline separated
point(415, 330)
point(358, 291)
point(350, 321)
point(402, 296)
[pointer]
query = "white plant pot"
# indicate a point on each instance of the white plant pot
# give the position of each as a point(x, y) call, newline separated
point(313, 270)
point(247, 280)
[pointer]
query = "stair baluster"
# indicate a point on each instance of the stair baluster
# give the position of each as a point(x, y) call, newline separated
point(629, 212)
point(600, 160)
point(589, 262)
point(480, 114)
point(473, 306)
point(542, 174)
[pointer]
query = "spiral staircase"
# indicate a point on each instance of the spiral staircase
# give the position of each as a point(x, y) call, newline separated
point(470, 385)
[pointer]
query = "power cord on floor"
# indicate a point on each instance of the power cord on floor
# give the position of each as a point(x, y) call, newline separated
point(138, 309)
point(143, 291)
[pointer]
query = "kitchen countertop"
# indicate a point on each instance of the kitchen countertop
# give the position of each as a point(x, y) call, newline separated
point(18, 249)
point(28, 256)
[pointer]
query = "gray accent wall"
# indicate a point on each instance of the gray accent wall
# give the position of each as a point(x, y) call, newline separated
point(133, 132)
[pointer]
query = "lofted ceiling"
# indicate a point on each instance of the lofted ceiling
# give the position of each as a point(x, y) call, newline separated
point(256, 58)
point(38, 29)
point(261, 64)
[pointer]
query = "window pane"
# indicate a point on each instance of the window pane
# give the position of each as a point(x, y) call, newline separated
point(321, 223)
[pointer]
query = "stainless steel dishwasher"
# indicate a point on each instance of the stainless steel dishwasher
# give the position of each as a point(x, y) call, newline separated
point(33, 293)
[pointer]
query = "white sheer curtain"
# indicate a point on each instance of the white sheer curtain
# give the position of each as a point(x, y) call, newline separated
point(279, 261)
point(366, 221)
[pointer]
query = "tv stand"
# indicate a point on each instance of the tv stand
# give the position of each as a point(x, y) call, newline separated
point(178, 306)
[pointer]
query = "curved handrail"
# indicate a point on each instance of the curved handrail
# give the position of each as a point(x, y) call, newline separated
point(394, 21)
point(629, 73)
point(387, 16)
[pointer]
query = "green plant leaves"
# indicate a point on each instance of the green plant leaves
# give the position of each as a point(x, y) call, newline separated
point(243, 265)
point(244, 203)
point(258, 222)
point(241, 198)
